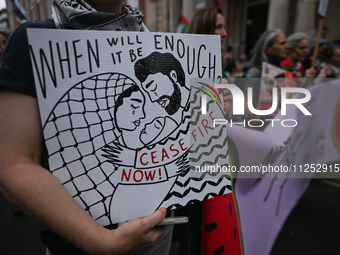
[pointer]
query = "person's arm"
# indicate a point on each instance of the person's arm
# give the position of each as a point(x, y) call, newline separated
point(39, 194)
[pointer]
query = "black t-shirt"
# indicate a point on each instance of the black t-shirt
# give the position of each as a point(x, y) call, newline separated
point(16, 73)
point(15, 65)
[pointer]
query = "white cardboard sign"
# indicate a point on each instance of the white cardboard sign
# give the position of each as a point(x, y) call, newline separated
point(323, 7)
point(115, 110)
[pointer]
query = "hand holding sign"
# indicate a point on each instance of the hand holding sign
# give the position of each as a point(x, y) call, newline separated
point(141, 232)
point(117, 138)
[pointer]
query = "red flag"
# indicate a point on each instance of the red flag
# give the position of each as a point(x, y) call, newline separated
point(184, 21)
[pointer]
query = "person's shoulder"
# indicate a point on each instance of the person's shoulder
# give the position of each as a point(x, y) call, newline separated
point(15, 64)
point(21, 30)
point(18, 39)
point(48, 23)
point(19, 36)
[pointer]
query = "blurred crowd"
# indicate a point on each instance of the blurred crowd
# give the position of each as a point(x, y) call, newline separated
point(308, 60)
point(295, 53)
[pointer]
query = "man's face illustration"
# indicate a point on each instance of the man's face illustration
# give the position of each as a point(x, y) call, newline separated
point(164, 91)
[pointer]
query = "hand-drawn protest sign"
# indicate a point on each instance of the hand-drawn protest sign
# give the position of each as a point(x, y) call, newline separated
point(323, 7)
point(115, 114)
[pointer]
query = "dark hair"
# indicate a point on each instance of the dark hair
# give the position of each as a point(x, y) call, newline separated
point(231, 65)
point(204, 21)
point(4, 34)
point(120, 99)
point(158, 62)
point(328, 52)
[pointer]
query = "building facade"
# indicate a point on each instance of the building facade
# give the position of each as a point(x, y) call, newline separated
point(35, 10)
point(246, 19)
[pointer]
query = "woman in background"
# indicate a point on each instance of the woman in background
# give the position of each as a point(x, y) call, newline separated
point(270, 48)
point(211, 21)
point(330, 58)
point(297, 52)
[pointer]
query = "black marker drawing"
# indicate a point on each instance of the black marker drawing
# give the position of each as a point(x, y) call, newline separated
point(171, 93)
point(119, 140)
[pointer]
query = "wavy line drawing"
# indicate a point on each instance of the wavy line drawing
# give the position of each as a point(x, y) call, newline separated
point(208, 153)
point(195, 94)
point(190, 202)
point(208, 182)
point(223, 129)
point(207, 162)
point(186, 192)
point(186, 183)
point(198, 114)
point(223, 156)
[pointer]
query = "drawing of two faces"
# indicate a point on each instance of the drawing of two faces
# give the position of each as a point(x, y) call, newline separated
point(160, 86)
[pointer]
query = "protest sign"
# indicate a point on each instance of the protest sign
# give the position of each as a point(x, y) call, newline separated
point(116, 114)
point(277, 164)
point(323, 4)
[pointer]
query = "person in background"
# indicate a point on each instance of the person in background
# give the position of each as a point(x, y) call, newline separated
point(211, 21)
point(330, 58)
point(227, 56)
point(244, 59)
point(322, 39)
point(271, 48)
point(24, 179)
point(3, 40)
point(297, 52)
point(234, 69)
